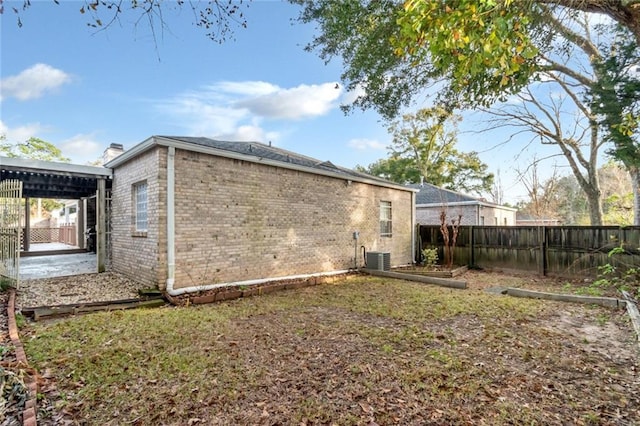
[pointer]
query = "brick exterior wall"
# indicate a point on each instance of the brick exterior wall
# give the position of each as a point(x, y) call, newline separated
point(133, 255)
point(431, 215)
point(238, 220)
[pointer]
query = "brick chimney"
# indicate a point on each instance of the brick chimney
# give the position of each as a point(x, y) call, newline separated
point(112, 152)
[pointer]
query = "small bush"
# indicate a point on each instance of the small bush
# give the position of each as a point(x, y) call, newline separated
point(430, 257)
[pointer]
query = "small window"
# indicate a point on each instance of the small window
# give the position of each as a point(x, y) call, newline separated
point(505, 221)
point(481, 220)
point(495, 220)
point(140, 201)
point(385, 218)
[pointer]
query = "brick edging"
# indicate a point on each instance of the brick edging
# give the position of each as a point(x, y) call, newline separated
point(30, 407)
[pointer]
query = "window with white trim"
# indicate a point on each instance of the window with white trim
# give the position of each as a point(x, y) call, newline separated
point(385, 218)
point(140, 206)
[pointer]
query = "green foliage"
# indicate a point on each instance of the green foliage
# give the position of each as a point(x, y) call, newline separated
point(482, 49)
point(20, 320)
point(616, 275)
point(424, 146)
point(33, 148)
point(5, 283)
point(616, 97)
point(430, 257)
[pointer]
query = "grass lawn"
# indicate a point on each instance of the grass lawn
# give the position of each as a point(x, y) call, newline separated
point(360, 351)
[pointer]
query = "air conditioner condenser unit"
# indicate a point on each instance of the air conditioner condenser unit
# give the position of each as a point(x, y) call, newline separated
point(379, 260)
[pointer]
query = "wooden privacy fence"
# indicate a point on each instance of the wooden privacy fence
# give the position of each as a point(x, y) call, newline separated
point(557, 250)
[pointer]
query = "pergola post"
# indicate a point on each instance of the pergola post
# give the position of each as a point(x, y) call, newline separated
point(80, 224)
point(101, 225)
point(26, 238)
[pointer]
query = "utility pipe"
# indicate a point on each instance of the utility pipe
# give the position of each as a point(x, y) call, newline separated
point(413, 228)
point(171, 218)
point(171, 246)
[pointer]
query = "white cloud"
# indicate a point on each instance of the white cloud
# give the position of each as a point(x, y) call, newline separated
point(295, 103)
point(202, 118)
point(33, 82)
point(251, 133)
point(81, 148)
point(236, 110)
point(20, 133)
point(366, 144)
point(248, 88)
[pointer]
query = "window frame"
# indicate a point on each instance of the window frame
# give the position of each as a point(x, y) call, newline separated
point(386, 219)
point(140, 199)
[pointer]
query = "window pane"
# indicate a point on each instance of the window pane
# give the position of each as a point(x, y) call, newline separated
point(385, 218)
point(141, 206)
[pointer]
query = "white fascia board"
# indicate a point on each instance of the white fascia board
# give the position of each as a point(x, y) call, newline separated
point(53, 166)
point(132, 153)
point(167, 142)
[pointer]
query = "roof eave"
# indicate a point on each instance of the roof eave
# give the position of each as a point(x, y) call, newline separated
point(169, 142)
point(52, 166)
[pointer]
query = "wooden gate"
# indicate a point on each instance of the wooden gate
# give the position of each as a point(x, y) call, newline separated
point(10, 217)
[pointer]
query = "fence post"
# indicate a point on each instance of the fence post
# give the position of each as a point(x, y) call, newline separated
point(543, 250)
point(472, 251)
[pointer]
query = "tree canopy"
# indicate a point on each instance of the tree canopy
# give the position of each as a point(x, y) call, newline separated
point(423, 147)
point(33, 148)
point(479, 50)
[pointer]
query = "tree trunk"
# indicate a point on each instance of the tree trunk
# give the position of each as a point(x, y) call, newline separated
point(595, 206)
point(634, 172)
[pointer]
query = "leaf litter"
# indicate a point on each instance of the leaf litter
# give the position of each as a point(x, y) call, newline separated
point(362, 351)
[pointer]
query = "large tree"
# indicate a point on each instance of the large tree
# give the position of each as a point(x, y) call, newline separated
point(560, 197)
point(424, 147)
point(616, 100)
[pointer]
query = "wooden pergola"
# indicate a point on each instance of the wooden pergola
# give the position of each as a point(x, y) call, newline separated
point(47, 179)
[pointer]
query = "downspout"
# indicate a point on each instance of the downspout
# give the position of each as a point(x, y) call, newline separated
point(413, 228)
point(171, 219)
point(171, 248)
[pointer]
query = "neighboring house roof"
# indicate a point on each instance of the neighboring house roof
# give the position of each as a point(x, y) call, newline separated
point(431, 195)
point(255, 152)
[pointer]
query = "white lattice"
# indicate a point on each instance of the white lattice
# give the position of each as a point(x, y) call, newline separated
point(10, 215)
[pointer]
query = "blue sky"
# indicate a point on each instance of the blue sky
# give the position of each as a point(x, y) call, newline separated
point(82, 90)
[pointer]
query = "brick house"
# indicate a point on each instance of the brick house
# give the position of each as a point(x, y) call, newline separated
point(431, 200)
point(191, 214)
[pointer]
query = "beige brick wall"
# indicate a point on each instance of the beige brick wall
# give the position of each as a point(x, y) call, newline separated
point(237, 220)
point(133, 255)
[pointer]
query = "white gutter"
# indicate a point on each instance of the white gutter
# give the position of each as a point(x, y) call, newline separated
point(171, 246)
